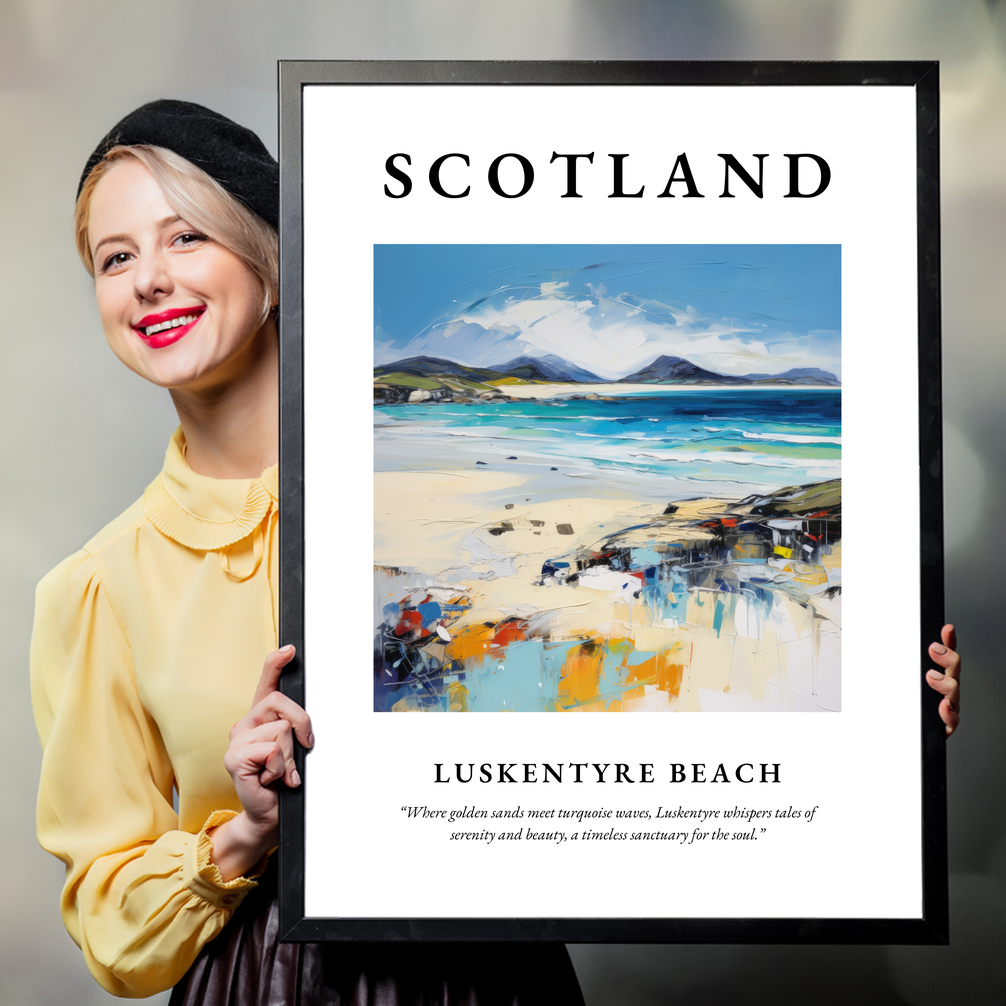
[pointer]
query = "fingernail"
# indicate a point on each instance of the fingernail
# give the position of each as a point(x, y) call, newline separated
point(936, 675)
point(310, 740)
point(287, 649)
point(295, 777)
point(938, 648)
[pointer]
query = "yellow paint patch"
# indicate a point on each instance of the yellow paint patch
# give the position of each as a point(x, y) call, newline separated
point(581, 677)
point(471, 641)
point(815, 575)
point(457, 697)
point(664, 671)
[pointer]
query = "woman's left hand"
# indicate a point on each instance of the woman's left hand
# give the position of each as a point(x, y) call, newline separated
point(260, 754)
point(948, 681)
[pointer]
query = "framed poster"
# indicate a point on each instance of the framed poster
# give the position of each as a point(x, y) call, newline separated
point(611, 458)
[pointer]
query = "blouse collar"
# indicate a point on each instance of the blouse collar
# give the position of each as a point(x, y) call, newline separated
point(203, 513)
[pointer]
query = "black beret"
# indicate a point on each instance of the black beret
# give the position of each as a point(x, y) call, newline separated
point(230, 154)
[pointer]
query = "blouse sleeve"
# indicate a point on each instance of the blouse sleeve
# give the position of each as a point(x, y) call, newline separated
point(141, 898)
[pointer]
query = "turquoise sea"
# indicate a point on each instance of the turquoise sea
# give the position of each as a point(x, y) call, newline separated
point(660, 442)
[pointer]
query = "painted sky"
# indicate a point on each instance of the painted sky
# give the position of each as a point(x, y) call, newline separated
point(612, 309)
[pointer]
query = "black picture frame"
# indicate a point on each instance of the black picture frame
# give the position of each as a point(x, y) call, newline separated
point(932, 926)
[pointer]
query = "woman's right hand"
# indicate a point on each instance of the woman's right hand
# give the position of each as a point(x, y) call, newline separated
point(260, 753)
point(948, 681)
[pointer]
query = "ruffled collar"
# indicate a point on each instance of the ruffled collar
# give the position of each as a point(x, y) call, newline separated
point(203, 513)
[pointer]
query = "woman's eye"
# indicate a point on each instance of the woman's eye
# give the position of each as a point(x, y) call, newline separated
point(190, 238)
point(114, 261)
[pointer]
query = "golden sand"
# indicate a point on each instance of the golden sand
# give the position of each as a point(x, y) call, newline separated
point(440, 523)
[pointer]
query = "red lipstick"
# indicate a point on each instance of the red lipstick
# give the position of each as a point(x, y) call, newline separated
point(165, 332)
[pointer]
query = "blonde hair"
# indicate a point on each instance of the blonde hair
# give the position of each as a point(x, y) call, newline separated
point(199, 200)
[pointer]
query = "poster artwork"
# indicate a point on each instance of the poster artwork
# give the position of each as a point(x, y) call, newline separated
point(607, 478)
point(615, 435)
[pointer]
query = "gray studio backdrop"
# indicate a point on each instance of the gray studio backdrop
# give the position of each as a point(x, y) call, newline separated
point(82, 437)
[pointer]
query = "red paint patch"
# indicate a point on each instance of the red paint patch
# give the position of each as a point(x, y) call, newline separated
point(509, 632)
point(409, 621)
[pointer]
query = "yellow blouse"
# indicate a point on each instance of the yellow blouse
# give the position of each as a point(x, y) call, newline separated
point(147, 647)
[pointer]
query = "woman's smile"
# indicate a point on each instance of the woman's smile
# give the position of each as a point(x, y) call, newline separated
point(166, 327)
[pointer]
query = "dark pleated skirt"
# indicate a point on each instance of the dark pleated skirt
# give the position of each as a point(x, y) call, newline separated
point(246, 965)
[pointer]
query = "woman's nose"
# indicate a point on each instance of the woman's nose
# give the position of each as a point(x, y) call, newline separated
point(152, 277)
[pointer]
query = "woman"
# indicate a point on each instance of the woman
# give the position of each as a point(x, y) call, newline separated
point(148, 643)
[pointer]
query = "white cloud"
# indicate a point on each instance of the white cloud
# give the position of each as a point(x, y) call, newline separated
point(613, 337)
